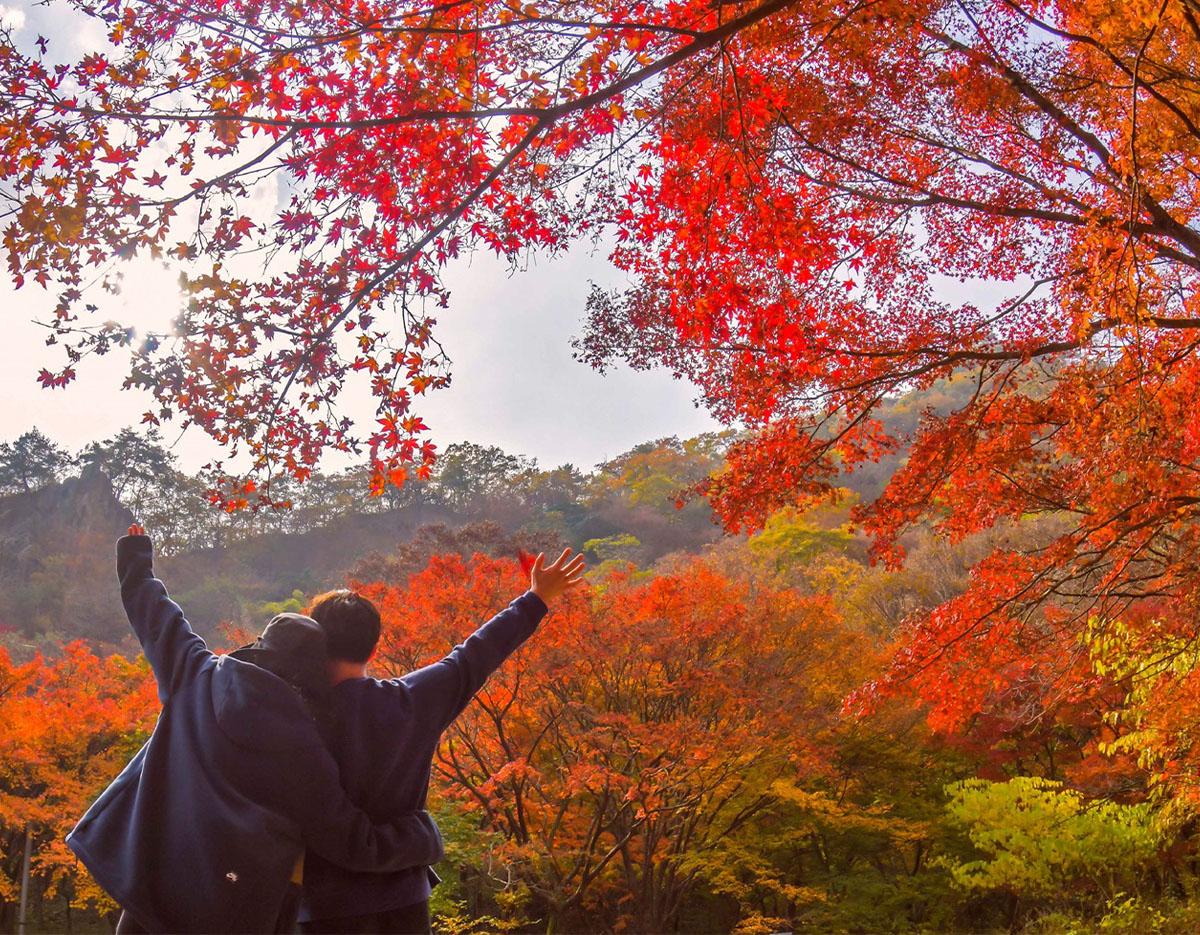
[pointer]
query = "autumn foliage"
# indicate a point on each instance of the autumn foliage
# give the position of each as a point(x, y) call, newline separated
point(790, 184)
point(641, 731)
point(1041, 146)
point(406, 135)
point(670, 751)
point(67, 727)
point(819, 206)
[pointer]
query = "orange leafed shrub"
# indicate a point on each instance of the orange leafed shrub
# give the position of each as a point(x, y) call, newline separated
point(639, 728)
point(67, 727)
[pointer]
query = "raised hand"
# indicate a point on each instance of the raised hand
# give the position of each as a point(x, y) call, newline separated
point(549, 581)
point(137, 529)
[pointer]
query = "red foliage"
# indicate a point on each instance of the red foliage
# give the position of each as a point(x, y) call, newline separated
point(791, 238)
point(408, 134)
point(791, 183)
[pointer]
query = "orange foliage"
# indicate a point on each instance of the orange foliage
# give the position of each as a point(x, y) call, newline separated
point(639, 728)
point(792, 242)
point(67, 727)
point(790, 184)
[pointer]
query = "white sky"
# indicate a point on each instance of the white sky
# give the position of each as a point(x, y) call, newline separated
point(514, 382)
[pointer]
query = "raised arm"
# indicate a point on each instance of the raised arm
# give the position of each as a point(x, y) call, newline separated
point(440, 691)
point(174, 651)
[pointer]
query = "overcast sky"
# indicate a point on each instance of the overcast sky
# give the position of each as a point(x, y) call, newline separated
point(514, 382)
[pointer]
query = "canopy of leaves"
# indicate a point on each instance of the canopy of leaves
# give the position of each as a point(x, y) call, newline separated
point(67, 727)
point(789, 182)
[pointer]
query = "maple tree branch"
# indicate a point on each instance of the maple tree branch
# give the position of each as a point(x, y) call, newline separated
point(1115, 59)
point(224, 177)
point(946, 357)
point(1177, 230)
point(933, 198)
point(546, 118)
point(1009, 171)
point(1189, 13)
point(700, 42)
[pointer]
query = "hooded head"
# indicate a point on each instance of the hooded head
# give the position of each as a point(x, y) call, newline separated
point(291, 647)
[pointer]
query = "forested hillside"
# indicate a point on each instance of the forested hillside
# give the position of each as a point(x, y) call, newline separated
point(59, 513)
point(56, 578)
point(59, 528)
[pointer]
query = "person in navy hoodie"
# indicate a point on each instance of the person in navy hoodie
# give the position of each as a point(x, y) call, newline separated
point(205, 830)
point(387, 734)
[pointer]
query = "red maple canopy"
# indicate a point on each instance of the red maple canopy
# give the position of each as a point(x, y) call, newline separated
point(791, 184)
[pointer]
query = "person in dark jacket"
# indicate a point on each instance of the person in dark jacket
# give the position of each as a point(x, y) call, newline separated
point(386, 736)
point(205, 828)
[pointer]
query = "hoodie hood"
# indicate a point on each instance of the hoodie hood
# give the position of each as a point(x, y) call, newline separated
point(263, 693)
point(292, 647)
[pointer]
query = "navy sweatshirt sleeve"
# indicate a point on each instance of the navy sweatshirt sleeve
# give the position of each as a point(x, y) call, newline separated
point(341, 833)
point(440, 691)
point(173, 649)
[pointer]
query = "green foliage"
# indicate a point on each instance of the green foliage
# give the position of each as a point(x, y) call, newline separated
point(621, 547)
point(137, 465)
point(467, 904)
point(792, 536)
point(36, 603)
point(31, 462)
point(289, 605)
point(855, 848)
point(1037, 838)
point(218, 598)
point(657, 474)
point(1153, 665)
point(467, 471)
point(561, 488)
point(1125, 915)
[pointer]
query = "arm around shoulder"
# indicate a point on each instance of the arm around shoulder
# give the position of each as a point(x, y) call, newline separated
point(343, 834)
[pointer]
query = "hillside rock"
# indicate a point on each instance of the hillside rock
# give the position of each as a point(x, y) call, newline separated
point(229, 584)
point(57, 578)
point(56, 560)
point(33, 525)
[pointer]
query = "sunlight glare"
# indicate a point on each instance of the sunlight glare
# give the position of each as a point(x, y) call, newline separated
point(149, 299)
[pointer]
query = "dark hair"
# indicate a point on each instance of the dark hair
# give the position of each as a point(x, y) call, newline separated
point(351, 624)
